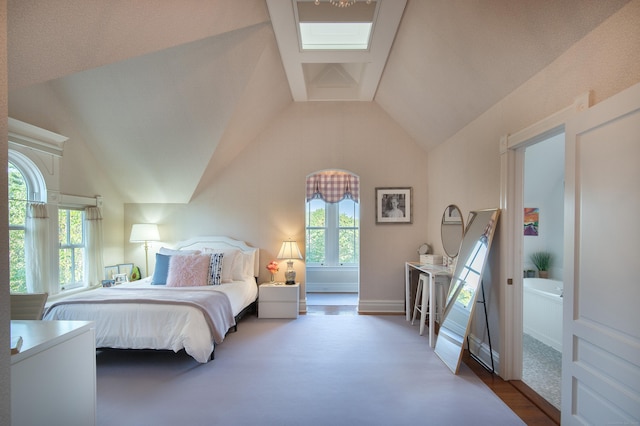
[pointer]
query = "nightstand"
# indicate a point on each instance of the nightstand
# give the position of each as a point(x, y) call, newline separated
point(278, 300)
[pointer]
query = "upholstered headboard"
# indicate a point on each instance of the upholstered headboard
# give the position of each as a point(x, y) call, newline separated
point(220, 242)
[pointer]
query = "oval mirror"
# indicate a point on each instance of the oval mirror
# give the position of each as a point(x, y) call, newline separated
point(451, 230)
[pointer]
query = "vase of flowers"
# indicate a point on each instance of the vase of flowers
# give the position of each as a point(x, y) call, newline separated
point(273, 267)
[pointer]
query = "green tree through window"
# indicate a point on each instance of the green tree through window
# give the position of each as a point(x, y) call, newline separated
point(333, 233)
point(18, 193)
point(71, 241)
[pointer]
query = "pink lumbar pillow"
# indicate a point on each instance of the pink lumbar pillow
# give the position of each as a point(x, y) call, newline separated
point(188, 271)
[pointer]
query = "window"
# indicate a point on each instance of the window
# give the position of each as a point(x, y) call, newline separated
point(72, 247)
point(41, 219)
point(333, 233)
point(18, 191)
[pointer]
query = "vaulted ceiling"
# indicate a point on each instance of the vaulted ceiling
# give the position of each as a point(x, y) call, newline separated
point(185, 86)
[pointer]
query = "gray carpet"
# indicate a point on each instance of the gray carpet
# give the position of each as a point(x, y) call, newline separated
point(315, 370)
point(542, 369)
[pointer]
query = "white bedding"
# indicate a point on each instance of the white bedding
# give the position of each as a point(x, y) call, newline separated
point(156, 326)
point(169, 326)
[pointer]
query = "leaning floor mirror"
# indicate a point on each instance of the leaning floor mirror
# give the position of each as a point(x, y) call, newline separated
point(465, 286)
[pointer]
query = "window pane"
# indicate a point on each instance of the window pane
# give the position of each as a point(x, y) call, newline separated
point(79, 265)
point(17, 197)
point(63, 228)
point(345, 213)
point(65, 265)
point(315, 246)
point(75, 227)
point(316, 211)
point(17, 274)
point(17, 219)
point(348, 247)
point(71, 252)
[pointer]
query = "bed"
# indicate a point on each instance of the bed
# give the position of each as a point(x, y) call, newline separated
point(183, 312)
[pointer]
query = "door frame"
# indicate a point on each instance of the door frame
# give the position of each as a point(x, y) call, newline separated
point(511, 238)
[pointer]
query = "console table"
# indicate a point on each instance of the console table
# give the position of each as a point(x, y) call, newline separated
point(433, 272)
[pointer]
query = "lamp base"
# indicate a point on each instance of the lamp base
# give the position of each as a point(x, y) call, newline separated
point(290, 274)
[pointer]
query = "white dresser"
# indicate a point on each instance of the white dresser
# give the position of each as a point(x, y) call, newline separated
point(279, 300)
point(53, 377)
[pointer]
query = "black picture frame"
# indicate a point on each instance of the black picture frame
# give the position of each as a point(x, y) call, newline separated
point(394, 205)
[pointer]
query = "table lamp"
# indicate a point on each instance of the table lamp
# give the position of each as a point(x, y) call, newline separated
point(290, 251)
point(143, 233)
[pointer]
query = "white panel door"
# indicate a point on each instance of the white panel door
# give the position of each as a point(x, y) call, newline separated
point(601, 359)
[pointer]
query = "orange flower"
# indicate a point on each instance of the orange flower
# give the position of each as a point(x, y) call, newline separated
point(273, 267)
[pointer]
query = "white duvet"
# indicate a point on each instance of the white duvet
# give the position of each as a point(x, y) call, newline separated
point(155, 326)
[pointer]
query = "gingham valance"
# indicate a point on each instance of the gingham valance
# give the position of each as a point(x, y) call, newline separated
point(333, 186)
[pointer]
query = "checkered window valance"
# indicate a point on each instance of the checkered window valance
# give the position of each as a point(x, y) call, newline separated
point(333, 186)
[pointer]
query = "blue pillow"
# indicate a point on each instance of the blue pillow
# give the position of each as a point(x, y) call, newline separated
point(162, 269)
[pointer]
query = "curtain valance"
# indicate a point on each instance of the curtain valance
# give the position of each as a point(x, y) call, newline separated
point(333, 186)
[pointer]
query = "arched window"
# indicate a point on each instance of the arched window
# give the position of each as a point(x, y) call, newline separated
point(55, 239)
point(333, 219)
point(26, 184)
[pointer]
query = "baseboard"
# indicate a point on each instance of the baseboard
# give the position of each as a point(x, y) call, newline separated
point(481, 350)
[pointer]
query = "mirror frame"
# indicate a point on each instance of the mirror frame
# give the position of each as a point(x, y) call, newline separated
point(451, 221)
point(460, 306)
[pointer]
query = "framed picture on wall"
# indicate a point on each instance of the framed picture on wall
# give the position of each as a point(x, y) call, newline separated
point(394, 205)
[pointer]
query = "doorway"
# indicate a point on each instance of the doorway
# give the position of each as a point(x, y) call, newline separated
point(332, 240)
point(543, 201)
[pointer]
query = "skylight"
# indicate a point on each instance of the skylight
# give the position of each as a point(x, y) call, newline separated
point(335, 35)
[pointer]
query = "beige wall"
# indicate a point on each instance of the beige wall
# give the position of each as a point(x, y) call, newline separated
point(80, 172)
point(260, 198)
point(606, 61)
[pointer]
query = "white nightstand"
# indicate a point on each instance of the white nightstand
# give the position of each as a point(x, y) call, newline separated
point(279, 300)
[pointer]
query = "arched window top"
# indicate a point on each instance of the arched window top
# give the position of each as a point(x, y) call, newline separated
point(36, 187)
point(333, 186)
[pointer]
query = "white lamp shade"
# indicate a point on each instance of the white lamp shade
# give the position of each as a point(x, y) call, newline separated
point(141, 232)
point(289, 250)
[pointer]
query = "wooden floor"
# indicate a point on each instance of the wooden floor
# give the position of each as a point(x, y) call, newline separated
point(528, 405)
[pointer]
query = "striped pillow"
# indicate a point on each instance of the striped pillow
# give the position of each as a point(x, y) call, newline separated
point(215, 269)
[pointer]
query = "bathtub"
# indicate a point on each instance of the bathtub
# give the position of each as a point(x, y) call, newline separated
point(542, 305)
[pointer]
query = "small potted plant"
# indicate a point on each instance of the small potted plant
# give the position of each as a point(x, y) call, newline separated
point(542, 261)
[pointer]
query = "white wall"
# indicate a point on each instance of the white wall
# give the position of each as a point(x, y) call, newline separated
point(260, 197)
point(544, 188)
point(466, 169)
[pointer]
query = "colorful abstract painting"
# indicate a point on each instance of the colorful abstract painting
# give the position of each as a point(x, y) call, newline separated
point(531, 217)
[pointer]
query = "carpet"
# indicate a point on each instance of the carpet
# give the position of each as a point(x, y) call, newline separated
point(315, 370)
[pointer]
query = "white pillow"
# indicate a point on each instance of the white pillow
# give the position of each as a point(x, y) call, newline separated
point(228, 260)
point(171, 252)
point(243, 266)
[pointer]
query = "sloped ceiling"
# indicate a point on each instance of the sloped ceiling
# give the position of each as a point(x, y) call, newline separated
point(158, 87)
